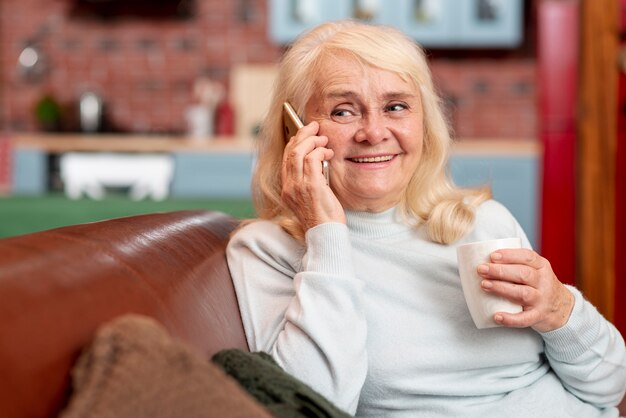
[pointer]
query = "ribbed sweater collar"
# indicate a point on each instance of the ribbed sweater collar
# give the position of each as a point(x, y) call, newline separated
point(377, 225)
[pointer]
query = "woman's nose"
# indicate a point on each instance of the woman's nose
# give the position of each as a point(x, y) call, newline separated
point(372, 128)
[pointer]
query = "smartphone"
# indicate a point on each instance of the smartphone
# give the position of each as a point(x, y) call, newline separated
point(291, 124)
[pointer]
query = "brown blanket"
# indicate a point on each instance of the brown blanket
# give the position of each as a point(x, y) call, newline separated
point(135, 369)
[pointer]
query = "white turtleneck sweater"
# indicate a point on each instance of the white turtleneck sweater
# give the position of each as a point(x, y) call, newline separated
point(372, 315)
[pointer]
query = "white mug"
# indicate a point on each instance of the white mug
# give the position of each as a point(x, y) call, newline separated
point(483, 305)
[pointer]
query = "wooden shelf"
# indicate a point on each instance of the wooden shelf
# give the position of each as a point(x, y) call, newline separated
point(57, 143)
point(496, 147)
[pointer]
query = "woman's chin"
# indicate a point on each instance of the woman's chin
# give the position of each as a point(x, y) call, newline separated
point(370, 201)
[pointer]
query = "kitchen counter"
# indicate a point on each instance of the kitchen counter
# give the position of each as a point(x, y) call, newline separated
point(57, 143)
point(222, 167)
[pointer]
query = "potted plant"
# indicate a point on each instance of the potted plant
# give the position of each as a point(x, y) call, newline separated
point(48, 113)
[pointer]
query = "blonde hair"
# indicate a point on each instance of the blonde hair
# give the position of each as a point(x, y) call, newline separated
point(431, 198)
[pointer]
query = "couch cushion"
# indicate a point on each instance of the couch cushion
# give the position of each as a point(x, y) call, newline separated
point(134, 368)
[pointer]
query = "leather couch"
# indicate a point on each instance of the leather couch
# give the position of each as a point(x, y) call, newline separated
point(58, 286)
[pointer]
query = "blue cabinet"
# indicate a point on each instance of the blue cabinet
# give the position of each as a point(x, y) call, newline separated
point(514, 182)
point(490, 22)
point(432, 23)
point(289, 18)
point(30, 172)
point(204, 175)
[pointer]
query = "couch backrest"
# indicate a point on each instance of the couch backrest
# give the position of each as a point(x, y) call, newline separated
point(58, 286)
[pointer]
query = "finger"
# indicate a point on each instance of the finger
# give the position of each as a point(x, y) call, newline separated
point(313, 163)
point(514, 273)
point(516, 293)
point(306, 131)
point(519, 256)
point(295, 153)
point(297, 149)
point(518, 320)
point(292, 152)
point(292, 166)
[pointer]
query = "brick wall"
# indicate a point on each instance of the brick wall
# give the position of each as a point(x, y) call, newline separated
point(145, 68)
point(489, 98)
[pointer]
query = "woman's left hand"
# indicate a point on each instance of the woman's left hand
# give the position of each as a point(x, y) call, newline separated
point(524, 277)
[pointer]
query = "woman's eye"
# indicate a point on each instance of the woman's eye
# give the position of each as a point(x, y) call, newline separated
point(396, 107)
point(343, 115)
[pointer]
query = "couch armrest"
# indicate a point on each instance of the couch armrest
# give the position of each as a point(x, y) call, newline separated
point(58, 286)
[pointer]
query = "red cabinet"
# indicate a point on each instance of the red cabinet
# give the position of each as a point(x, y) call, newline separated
point(557, 35)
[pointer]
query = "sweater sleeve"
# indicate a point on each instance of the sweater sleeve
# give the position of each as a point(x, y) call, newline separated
point(588, 352)
point(303, 305)
point(588, 355)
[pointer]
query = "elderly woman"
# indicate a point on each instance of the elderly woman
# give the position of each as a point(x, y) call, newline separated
point(353, 286)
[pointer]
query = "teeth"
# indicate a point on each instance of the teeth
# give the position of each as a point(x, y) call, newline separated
point(372, 159)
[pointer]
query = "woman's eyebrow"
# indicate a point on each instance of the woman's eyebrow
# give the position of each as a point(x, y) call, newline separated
point(399, 95)
point(341, 94)
point(392, 95)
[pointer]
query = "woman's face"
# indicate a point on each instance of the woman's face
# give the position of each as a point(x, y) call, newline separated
point(374, 124)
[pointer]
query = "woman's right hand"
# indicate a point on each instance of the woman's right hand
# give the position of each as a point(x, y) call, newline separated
point(304, 186)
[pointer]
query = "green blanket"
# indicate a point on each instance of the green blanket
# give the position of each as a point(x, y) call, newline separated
point(282, 394)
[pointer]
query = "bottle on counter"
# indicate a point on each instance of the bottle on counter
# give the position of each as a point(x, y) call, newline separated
point(224, 119)
point(201, 115)
point(199, 121)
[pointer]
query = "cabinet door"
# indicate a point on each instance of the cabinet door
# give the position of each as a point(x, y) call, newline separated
point(513, 180)
point(429, 22)
point(490, 23)
point(383, 12)
point(289, 18)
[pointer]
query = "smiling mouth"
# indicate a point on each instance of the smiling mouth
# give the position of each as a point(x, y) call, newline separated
point(377, 159)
